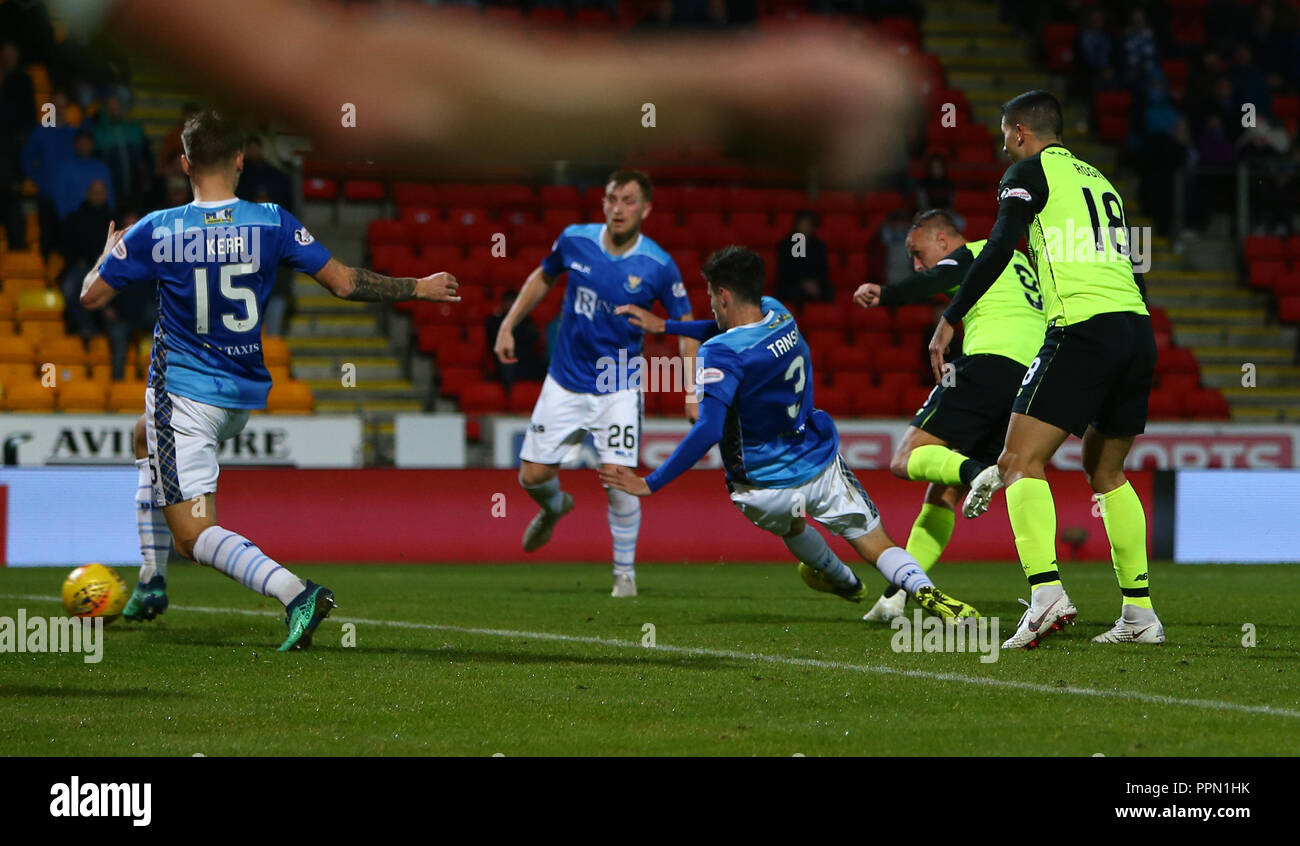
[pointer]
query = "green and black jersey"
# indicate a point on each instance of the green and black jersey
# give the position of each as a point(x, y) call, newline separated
point(1078, 239)
point(1006, 321)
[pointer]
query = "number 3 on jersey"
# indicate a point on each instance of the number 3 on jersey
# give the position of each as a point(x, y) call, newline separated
point(796, 371)
point(231, 292)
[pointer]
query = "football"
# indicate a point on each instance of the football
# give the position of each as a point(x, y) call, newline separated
point(94, 591)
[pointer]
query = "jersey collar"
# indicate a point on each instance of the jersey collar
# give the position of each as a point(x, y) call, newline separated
point(213, 204)
point(600, 239)
point(765, 318)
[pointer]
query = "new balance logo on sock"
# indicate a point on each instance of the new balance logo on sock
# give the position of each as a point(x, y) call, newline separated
point(74, 799)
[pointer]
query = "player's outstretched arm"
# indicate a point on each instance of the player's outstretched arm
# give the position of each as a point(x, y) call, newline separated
point(915, 287)
point(704, 435)
point(535, 288)
point(95, 292)
point(360, 284)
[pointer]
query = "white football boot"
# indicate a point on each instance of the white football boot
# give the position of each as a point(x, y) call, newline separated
point(539, 530)
point(982, 488)
point(1050, 611)
point(624, 585)
point(1135, 625)
point(887, 608)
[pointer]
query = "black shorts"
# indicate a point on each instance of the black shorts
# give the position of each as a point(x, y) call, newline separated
point(1096, 373)
point(971, 416)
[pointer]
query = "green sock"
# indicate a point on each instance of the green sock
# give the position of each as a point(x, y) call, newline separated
point(930, 534)
point(1033, 522)
point(1126, 527)
point(940, 465)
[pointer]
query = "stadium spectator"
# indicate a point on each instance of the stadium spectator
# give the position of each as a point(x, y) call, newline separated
point(1094, 67)
point(803, 266)
point(529, 365)
point(1249, 84)
point(894, 260)
point(125, 150)
point(261, 179)
point(134, 309)
point(75, 175)
point(81, 240)
point(46, 148)
point(17, 95)
point(1139, 48)
point(935, 190)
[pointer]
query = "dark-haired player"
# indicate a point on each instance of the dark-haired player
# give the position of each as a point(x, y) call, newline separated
point(781, 454)
point(588, 385)
point(960, 429)
point(214, 261)
point(1092, 376)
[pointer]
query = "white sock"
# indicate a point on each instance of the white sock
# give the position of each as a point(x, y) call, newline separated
point(548, 494)
point(811, 548)
point(1044, 595)
point(1136, 614)
point(901, 569)
point(624, 525)
point(241, 560)
point(155, 537)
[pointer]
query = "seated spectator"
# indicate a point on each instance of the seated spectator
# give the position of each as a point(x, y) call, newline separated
point(81, 241)
point(133, 310)
point(1094, 55)
point(804, 277)
point(125, 149)
point(935, 190)
point(75, 175)
point(17, 96)
point(1249, 84)
point(169, 159)
point(529, 365)
point(891, 261)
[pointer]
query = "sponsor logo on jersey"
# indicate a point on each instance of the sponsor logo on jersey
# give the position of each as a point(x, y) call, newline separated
point(119, 249)
point(1017, 193)
point(584, 302)
point(211, 218)
point(679, 289)
point(633, 282)
point(578, 266)
point(302, 236)
point(708, 375)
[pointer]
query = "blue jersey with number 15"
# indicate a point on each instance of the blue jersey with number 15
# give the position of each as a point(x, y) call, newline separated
point(215, 265)
point(773, 437)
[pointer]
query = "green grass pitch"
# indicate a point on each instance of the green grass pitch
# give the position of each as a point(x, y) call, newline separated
point(539, 660)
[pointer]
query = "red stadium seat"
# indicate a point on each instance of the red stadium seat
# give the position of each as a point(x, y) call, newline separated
point(1165, 405)
point(824, 316)
point(483, 398)
point(1180, 383)
point(367, 190)
point(876, 403)
point(913, 399)
point(871, 320)
point(386, 258)
point(856, 382)
point(1058, 39)
point(388, 232)
point(1288, 309)
point(835, 401)
point(453, 380)
point(1264, 273)
point(898, 381)
point(414, 194)
point(319, 188)
point(1264, 247)
point(419, 216)
point(849, 358)
point(1177, 360)
point(1207, 404)
point(523, 396)
point(913, 318)
point(903, 359)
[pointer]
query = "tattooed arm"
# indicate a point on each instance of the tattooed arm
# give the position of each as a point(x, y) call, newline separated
point(358, 283)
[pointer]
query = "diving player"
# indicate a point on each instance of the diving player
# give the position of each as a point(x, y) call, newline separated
point(960, 429)
point(755, 386)
point(587, 388)
point(215, 261)
point(1091, 378)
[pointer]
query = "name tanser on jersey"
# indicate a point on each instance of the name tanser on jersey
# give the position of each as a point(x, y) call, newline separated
point(195, 245)
point(784, 344)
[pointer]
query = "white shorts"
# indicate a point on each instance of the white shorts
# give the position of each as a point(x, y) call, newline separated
point(834, 498)
point(561, 417)
point(182, 435)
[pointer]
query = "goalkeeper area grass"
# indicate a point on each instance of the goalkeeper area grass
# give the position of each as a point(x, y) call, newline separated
point(746, 660)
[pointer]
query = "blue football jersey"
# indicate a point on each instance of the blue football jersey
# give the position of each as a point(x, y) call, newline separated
point(215, 265)
point(591, 334)
point(773, 436)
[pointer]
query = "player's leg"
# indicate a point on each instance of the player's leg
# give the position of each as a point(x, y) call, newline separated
point(837, 500)
point(616, 429)
point(556, 424)
point(183, 436)
point(924, 457)
point(930, 534)
point(149, 599)
point(1126, 528)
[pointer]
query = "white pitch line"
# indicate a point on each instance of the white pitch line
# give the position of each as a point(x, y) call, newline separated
point(704, 652)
